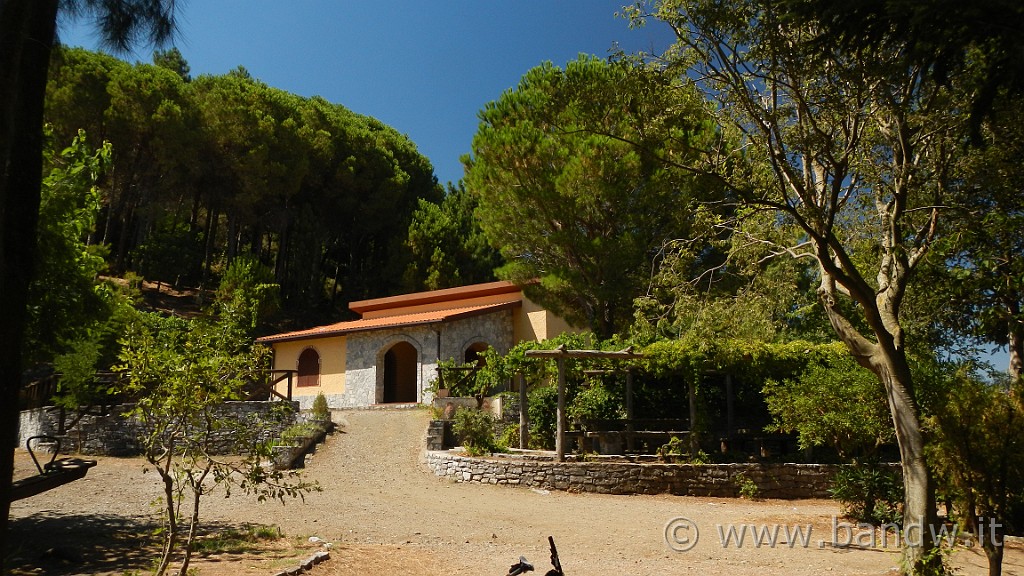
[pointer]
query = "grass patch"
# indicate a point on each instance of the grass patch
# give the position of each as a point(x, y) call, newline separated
point(248, 538)
point(296, 432)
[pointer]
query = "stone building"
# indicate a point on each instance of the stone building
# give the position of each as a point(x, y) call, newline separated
point(390, 354)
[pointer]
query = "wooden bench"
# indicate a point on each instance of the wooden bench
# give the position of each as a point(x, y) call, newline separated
point(630, 435)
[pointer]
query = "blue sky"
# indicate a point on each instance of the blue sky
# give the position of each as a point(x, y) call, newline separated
point(423, 68)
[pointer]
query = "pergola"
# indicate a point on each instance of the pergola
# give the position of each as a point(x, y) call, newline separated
point(560, 355)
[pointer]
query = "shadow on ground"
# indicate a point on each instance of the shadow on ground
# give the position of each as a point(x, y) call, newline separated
point(65, 544)
point(52, 543)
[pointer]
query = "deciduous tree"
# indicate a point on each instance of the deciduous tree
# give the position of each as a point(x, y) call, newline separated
point(853, 148)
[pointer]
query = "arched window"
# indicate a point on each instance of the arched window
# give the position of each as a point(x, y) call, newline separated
point(309, 368)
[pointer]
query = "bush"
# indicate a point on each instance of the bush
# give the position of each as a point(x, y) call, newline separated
point(543, 412)
point(476, 429)
point(748, 488)
point(676, 450)
point(597, 402)
point(320, 409)
point(869, 492)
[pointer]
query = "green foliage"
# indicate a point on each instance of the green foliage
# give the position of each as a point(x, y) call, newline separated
point(248, 538)
point(476, 430)
point(169, 254)
point(542, 410)
point(300, 431)
point(473, 379)
point(448, 247)
point(978, 431)
point(747, 487)
point(173, 60)
point(869, 492)
point(181, 372)
point(597, 401)
point(247, 293)
point(320, 409)
point(836, 404)
point(509, 436)
point(215, 167)
point(578, 153)
point(752, 296)
point(678, 450)
point(66, 298)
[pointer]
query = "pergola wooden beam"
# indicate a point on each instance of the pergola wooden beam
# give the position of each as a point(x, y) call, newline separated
point(562, 352)
point(560, 355)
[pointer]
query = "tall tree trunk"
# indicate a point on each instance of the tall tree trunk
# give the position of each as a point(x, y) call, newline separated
point(211, 238)
point(994, 552)
point(889, 363)
point(26, 37)
point(1016, 344)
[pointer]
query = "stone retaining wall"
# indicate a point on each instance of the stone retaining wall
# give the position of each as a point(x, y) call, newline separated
point(786, 481)
point(109, 433)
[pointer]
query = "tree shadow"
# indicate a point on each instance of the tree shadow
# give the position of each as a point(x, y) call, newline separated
point(49, 542)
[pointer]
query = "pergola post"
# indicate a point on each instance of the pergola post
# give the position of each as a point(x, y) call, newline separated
point(691, 389)
point(560, 355)
point(630, 440)
point(730, 409)
point(524, 415)
point(560, 414)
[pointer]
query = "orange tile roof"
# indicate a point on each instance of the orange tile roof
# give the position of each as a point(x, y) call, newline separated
point(434, 296)
point(388, 322)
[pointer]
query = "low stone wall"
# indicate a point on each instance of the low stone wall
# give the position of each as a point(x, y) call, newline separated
point(110, 433)
point(786, 481)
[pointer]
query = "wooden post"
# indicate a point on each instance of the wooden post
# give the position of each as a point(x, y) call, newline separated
point(560, 355)
point(524, 414)
point(730, 413)
point(560, 434)
point(630, 439)
point(692, 393)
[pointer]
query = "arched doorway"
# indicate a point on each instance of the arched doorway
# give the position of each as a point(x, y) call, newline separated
point(474, 353)
point(400, 369)
point(309, 368)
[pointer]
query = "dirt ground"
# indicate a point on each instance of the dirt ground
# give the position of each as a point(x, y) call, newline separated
point(382, 511)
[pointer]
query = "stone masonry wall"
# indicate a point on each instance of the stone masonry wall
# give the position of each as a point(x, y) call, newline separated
point(365, 354)
point(786, 481)
point(112, 434)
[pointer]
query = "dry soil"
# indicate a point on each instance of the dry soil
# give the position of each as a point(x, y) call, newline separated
point(382, 511)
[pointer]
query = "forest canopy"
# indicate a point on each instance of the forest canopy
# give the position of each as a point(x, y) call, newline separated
point(209, 168)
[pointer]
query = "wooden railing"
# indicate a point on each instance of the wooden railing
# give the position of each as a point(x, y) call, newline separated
point(268, 388)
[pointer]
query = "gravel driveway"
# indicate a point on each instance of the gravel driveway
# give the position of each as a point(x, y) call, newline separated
point(384, 511)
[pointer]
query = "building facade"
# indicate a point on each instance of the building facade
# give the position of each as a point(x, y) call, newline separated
point(390, 355)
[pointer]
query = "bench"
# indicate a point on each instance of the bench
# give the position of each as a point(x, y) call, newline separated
point(620, 436)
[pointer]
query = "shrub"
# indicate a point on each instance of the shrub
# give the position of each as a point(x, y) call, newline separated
point(597, 402)
point(678, 450)
point(509, 436)
point(476, 429)
point(298, 432)
point(748, 488)
point(869, 492)
point(543, 412)
point(320, 408)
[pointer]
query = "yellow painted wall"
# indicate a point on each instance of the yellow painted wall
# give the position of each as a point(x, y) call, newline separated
point(531, 322)
point(332, 364)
